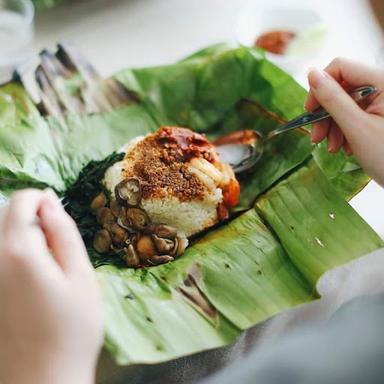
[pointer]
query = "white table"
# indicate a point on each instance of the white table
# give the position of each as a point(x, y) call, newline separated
point(115, 34)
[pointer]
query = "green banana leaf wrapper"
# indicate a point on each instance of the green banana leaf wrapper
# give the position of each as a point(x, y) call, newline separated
point(293, 222)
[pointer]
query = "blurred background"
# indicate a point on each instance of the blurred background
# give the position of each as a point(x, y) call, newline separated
point(114, 34)
point(118, 33)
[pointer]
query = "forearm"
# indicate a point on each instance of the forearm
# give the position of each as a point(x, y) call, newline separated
point(47, 375)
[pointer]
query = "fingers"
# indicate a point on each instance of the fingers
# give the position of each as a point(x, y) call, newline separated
point(354, 73)
point(20, 231)
point(377, 107)
point(350, 74)
point(347, 148)
point(320, 130)
point(62, 235)
point(311, 103)
point(22, 242)
point(22, 210)
point(331, 96)
point(329, 89)
point(335, 139)
point(35, 227)
point(327, 128)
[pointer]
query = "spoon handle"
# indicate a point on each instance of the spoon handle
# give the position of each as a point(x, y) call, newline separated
point(320, 113)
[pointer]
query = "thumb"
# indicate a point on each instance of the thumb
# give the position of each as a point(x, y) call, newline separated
point(333, 98)
point(62, 235)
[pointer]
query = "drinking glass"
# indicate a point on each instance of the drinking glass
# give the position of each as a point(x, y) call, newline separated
point(16, 35)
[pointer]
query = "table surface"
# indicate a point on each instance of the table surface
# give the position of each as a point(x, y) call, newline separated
point(115, 34)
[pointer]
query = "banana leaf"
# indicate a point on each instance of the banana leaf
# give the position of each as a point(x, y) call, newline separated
point(293, 222)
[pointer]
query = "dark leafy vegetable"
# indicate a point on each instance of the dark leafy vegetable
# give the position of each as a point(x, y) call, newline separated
point(77, 201)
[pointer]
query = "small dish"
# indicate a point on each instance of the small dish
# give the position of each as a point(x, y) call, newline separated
point(257, 18)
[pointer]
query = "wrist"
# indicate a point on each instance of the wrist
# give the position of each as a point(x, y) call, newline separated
point(52, 378)
point(50, 374)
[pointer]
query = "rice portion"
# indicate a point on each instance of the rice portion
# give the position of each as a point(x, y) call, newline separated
point(183, 193)
point(188, 217)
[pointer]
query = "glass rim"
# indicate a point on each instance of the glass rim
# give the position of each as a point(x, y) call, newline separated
point(28, 10)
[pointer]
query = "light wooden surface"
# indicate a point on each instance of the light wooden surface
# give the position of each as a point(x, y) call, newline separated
point(115, 34)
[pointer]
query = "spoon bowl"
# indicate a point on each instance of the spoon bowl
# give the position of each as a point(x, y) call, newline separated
point(240, 157)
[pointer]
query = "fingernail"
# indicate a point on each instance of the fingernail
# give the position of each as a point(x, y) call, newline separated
point(314, 141)
point(317, 78)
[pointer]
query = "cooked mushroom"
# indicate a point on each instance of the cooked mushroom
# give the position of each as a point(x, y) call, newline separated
point(137, 218)
point(123, 221)
point(131, 257)
point(181, 243)
point(164, 231)
point(119, 235)
point(164, 246)
point(129, 191)
point(99, 201)
point(131, 239)
point(128, 232)
point(118, 251)
point(157, 260)
point(115, 207)
point(105, 216)
point(146, 247)
point(175, 246)
point(102, 241)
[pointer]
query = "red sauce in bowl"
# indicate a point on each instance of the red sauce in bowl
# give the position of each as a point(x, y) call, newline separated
point(275, 41)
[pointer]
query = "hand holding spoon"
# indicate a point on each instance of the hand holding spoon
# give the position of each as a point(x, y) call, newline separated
point(244, 156)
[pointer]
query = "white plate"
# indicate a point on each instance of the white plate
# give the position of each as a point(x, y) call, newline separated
point(258, 17)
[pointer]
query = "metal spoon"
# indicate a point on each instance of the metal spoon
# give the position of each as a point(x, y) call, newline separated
point(244, 156)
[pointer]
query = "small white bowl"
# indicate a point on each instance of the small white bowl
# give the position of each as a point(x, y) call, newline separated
point(259, 17)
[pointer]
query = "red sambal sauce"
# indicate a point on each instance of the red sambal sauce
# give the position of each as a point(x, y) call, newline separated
point(191, 144)
point(275, 41)
point(245, 136)
point(231, 197)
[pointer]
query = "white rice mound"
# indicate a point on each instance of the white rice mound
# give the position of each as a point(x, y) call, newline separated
point(189, 217)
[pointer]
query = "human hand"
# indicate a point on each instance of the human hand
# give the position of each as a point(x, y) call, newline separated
point(357, 128)
point(50, 319)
